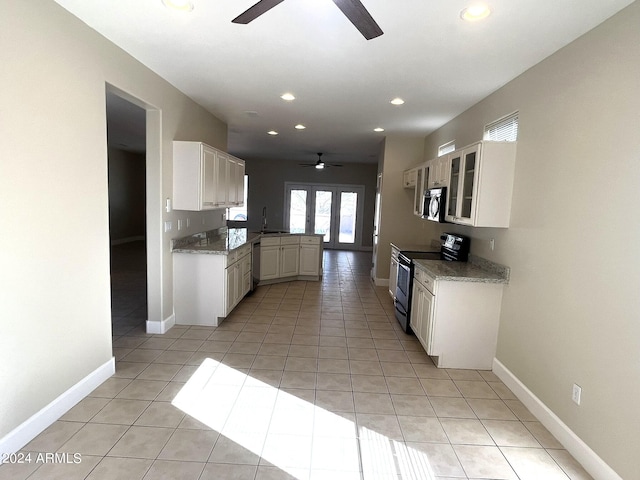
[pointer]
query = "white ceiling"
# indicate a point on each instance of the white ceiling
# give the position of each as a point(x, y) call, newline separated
point(437, 63)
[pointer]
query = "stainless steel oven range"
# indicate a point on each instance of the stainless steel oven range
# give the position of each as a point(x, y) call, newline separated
point(455, 248)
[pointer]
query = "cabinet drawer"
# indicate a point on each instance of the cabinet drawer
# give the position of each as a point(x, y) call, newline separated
point(243, 250)
point(308, 240)
point(268, 241)
point(293, 240)
point(425, 279)
point(232, 257)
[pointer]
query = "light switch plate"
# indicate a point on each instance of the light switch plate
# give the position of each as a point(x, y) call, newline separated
point(576, 394)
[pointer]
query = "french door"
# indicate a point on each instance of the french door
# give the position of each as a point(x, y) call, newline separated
point(334, 211)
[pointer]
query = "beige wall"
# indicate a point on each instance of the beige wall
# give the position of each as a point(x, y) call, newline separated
point(571, 311)
point(397, 222)
point(54, 246)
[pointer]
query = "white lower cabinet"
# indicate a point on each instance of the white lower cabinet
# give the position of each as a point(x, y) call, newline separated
point(235, 284)
point(279, 257)
point(290, 257)
point(246, 274)
point(393, 272)
point(207, 287)
point(421, 314)
point(269, 262)
point(456, 321)
point(309, 256)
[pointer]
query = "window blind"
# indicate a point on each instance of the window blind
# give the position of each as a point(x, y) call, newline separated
point(446, 148)
point(504, 129)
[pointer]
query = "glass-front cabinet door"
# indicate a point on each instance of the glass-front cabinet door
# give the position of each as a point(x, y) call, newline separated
point(468, 183)
point(462, 188)
point(452, 200)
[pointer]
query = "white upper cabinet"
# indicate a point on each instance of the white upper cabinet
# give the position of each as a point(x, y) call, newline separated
point(235, 181)
point(222, 179)
point(481, 184)
point(422, 173)
point(439, 172)
point(409, 178)
point(205, 178)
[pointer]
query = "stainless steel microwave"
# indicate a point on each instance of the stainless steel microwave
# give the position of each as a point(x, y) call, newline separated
point(434, 204)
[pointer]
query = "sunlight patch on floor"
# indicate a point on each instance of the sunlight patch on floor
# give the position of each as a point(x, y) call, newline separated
point(291, 433)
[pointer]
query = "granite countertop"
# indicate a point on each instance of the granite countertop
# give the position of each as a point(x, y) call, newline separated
point(477, 269)
point(216, 242)
point(222, 241)
point(409, 247)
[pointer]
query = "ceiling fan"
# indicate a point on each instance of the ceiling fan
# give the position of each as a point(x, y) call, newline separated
point(320, 164)
point(352, 9)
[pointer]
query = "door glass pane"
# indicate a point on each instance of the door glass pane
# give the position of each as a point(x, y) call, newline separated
point(348, 204)
point(298, 211)
point(453, 186)
point(322, 220)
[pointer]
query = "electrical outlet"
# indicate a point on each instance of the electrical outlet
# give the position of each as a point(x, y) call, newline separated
point(188, 222)
point(179, 224)
point(168, 226)
point(576, 394)
point(492, 244)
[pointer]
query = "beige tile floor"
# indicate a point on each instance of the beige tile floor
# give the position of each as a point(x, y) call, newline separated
point(306, 380)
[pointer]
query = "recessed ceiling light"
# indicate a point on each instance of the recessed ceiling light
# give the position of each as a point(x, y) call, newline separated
point(272, 132)
point(397, 101)
point(300, 127)
point(378, 129)
point(475, 12)
point(182, 5)
point(288, 97)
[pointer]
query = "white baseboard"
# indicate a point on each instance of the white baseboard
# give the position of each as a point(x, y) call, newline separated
point(381, 282)
point(589, 460)
point(161, 327)
point(32, 427)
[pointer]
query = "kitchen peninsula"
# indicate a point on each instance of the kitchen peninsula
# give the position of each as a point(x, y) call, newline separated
point(214, 270)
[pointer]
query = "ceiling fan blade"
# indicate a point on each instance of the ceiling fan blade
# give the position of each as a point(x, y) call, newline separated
point(360, 17)
point(254, 12)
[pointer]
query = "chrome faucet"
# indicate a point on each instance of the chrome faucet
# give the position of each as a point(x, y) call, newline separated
point(264, 218)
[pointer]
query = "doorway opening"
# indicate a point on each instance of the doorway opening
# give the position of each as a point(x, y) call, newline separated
point(333, 211)
point(126, 142)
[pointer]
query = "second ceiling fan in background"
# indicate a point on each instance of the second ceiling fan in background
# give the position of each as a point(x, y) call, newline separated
point(320, 163)
point(352, 9)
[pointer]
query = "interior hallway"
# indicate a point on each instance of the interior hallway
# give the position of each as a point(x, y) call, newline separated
point(305, 380)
